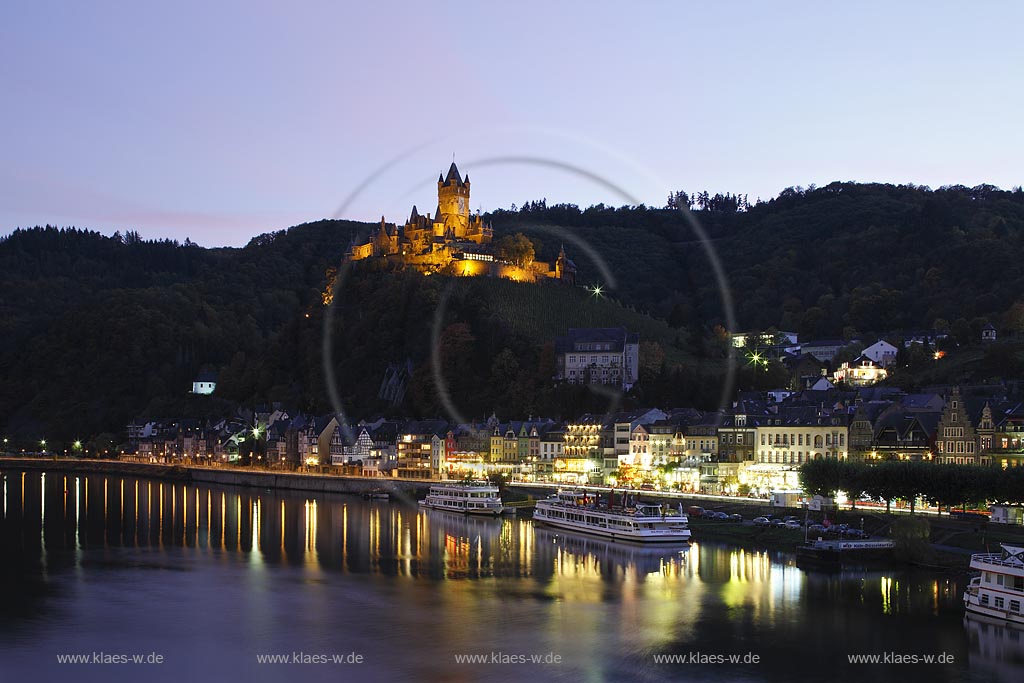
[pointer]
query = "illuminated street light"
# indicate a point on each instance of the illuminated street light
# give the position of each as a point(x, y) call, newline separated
point(596, 291)
point(756, 359)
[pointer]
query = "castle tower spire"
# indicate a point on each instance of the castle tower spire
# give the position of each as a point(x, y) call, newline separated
point(453, 202)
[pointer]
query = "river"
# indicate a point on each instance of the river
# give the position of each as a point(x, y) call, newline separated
point(143, 580)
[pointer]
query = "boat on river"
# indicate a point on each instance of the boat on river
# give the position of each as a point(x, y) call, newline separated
point(998, 592)
point(630, 520)
point(470, 499)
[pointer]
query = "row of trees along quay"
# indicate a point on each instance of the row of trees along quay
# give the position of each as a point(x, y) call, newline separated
point(942, 485)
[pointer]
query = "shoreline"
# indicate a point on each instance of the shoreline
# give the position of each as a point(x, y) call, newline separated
point(224, 476)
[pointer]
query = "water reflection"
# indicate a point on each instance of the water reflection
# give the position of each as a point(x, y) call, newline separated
point(48, 520)
point(291, 570)
point(995, 648)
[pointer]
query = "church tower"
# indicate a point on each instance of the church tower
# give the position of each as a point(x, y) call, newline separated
point(453, 202)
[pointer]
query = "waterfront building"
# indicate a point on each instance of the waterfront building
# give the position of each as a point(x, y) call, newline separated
point(794, 436)
point(624, 447)
point(957, 440)
point(420, 449)
point(551, 449)
point(737, 434)
point(1007, 448)
point(701, 438)
point(582, 461)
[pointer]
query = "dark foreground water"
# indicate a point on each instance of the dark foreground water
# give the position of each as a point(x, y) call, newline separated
point(211, 580)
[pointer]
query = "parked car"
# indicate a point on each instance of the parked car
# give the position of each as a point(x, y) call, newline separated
point(778, 522)
point(761, 521)
point(789, 518)
point(722, 515)
point(970, 516)
point(817, 529)
point(792, 524)
point(648, 487)
point(854, 533)
point(735, 518)
point(695, 511)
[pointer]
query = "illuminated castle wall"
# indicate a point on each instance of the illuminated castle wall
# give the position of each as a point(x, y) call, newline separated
point(453, 242)
point(452, 228)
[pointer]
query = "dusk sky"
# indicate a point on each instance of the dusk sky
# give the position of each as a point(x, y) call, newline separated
point(220, 121)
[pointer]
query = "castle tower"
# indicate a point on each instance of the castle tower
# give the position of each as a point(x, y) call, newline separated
point(453, 201)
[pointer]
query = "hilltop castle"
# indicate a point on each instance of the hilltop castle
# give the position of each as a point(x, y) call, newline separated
point(453, 242)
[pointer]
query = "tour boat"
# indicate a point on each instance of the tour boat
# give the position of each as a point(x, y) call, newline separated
point(471, 499)
point(628, 521)
point(999, 591)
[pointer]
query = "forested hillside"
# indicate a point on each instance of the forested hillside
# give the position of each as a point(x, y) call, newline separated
point(859, 258)
point(96, 331)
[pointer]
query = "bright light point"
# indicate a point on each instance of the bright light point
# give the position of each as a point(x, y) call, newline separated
point(596, 290)
point(77, 444)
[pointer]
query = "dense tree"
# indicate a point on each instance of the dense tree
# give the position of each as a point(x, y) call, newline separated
point(944, 485)
point(517, 249)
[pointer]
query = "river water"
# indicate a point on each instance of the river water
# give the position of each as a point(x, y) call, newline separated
point(213, 580)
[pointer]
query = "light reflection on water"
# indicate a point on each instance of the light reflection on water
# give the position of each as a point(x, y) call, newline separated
point(212, 576)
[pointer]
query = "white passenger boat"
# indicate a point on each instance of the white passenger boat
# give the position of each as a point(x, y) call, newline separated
point(998, 593)
point(629, 521)
point(471, 499)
